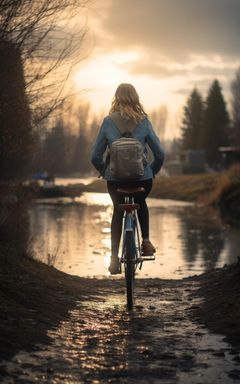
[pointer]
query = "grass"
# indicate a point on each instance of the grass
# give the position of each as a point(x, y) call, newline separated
point(180, 187)
point(204, 188)
point(184, 187)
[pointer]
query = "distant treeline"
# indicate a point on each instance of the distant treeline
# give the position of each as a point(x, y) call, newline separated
point(65, 147)
point(206, 125)
point(64, 150)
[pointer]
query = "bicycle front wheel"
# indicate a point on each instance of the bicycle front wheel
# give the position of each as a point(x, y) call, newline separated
point(130, 267)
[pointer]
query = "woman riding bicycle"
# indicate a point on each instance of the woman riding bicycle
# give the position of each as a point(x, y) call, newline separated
point(127, 106)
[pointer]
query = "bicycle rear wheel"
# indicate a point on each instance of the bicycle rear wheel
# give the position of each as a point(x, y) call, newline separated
point(130, 267)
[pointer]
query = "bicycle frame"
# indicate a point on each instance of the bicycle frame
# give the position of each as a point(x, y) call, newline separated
point(131, 256)
point(130, 224)
point(130, 246)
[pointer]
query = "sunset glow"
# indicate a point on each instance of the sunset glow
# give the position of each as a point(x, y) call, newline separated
point(100, 77)
point(153, 46)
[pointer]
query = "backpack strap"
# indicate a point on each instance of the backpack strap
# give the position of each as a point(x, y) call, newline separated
point(126, 127)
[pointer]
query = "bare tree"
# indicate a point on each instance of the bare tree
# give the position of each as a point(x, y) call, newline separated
point(39, 45)
point(159, 119)
point(49, 43)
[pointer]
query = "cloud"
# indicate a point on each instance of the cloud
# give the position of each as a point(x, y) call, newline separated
point(198, 66)
point(146, 66)
point(166, 47)
point(174, 29)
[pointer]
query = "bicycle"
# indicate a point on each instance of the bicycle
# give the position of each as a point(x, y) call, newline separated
point(131, 257)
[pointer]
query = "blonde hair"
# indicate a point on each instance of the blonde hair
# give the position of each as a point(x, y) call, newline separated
point(126, 102)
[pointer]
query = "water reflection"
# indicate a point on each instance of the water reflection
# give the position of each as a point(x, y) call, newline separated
point(203, 236)
point(70, 237)
point(74, 236)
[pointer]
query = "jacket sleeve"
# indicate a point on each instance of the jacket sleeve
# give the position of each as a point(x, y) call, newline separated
point(155, 146)
point(99, 148)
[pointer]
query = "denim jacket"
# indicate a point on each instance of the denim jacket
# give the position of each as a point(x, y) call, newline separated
point(143, 132)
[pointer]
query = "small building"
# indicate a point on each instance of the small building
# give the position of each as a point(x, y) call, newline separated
point(229, 156)
point(173, 167)
point(194, 161)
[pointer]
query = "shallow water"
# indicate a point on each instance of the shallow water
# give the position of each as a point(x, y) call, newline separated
point(74, 236)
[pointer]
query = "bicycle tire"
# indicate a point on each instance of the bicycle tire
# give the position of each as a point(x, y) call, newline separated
point(129, 268)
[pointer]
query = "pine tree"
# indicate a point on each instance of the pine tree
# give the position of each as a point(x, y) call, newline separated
point(235, 107)
point(192, 122)
point(216, 124)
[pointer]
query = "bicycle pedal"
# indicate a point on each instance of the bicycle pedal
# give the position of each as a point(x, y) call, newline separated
point(147, 258)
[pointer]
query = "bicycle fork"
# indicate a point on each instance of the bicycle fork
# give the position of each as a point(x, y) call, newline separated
point(130, 226)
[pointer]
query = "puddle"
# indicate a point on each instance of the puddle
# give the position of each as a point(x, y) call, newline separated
point(74, 236)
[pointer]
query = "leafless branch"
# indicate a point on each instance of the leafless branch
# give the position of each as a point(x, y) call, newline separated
point(49, 46)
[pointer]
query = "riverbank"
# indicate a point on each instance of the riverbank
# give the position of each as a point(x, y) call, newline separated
point(220, 309)
point(218, 189)
point(36, 299)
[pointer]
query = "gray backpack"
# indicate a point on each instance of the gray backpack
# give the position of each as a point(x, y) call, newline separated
point(127, 157)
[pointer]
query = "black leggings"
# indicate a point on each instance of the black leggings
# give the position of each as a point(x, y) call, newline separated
point(143, 215)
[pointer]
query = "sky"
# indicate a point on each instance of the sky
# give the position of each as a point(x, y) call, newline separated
point(164, 48)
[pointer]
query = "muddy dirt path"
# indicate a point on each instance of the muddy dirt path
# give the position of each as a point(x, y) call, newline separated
point(160, 341)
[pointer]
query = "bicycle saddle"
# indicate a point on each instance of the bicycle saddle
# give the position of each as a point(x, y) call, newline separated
point(130, 191)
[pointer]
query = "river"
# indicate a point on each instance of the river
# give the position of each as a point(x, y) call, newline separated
point(73, 235)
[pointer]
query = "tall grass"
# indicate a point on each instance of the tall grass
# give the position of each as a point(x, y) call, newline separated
point(226, 182)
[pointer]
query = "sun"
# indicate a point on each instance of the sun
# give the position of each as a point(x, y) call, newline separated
point(98, 80)
point(99, 76)
point(99, 72)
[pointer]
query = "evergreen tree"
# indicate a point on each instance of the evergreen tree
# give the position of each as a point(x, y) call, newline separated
point(192, 122)
point(216, 124)
point(235, 106)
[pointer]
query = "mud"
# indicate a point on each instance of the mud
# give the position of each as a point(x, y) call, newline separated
point(100, 341)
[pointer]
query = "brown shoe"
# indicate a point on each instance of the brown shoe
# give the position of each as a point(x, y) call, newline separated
point(147, 248)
